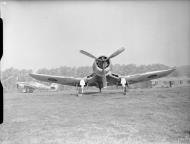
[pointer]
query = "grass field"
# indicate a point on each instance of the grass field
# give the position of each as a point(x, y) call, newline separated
point(142, 116)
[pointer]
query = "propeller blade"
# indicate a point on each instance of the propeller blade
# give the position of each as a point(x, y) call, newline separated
point(116, 53)
point(87, 54)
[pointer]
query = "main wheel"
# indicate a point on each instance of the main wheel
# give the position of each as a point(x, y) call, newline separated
point(125, 90)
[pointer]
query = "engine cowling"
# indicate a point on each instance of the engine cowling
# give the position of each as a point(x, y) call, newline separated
point(101, 65)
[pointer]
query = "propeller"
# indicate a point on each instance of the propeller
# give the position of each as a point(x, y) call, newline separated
point(111, 56)
point(116, 53)
point(87, 54)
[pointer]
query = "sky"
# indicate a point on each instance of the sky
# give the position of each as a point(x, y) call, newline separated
point(50, 34)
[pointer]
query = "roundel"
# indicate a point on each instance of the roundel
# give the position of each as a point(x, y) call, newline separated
point(152, 76)
point(52, 79)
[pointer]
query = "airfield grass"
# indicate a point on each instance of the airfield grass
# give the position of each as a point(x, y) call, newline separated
point(160, 115)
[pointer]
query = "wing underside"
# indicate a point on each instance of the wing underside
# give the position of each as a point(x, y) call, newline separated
point(56, 79)
point(131, 79)
point(71, 81)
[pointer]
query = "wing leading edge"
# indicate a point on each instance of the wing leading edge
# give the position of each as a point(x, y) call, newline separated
point(56, 79)
point(131, 79)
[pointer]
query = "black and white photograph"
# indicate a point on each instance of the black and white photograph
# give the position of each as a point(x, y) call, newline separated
point(95, 72)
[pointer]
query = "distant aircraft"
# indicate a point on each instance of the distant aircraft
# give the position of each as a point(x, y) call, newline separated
point(29, 87)
point(102, 75)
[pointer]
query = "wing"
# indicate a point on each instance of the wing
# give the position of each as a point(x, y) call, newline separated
point(57, 79)
point(131, 79)
point(113, 79)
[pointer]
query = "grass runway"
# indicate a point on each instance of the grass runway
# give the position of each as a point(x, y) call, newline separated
point(160, 115)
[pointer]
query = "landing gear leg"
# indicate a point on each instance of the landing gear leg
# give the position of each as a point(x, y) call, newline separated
point(81, 88)
point(27, 90)
point(80, 91)
point(24, 90)
point(100, 90)
point(124, 85)
point(125, 90)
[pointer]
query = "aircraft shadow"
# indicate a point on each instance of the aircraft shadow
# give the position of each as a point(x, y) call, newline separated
point(103, 93)
point(89, 93)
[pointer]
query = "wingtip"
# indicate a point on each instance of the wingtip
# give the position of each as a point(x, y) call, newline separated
point(31, 74)
point(173, 68)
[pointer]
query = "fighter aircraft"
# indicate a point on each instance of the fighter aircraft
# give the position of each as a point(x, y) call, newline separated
point(102, 75)
point(29, 87)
